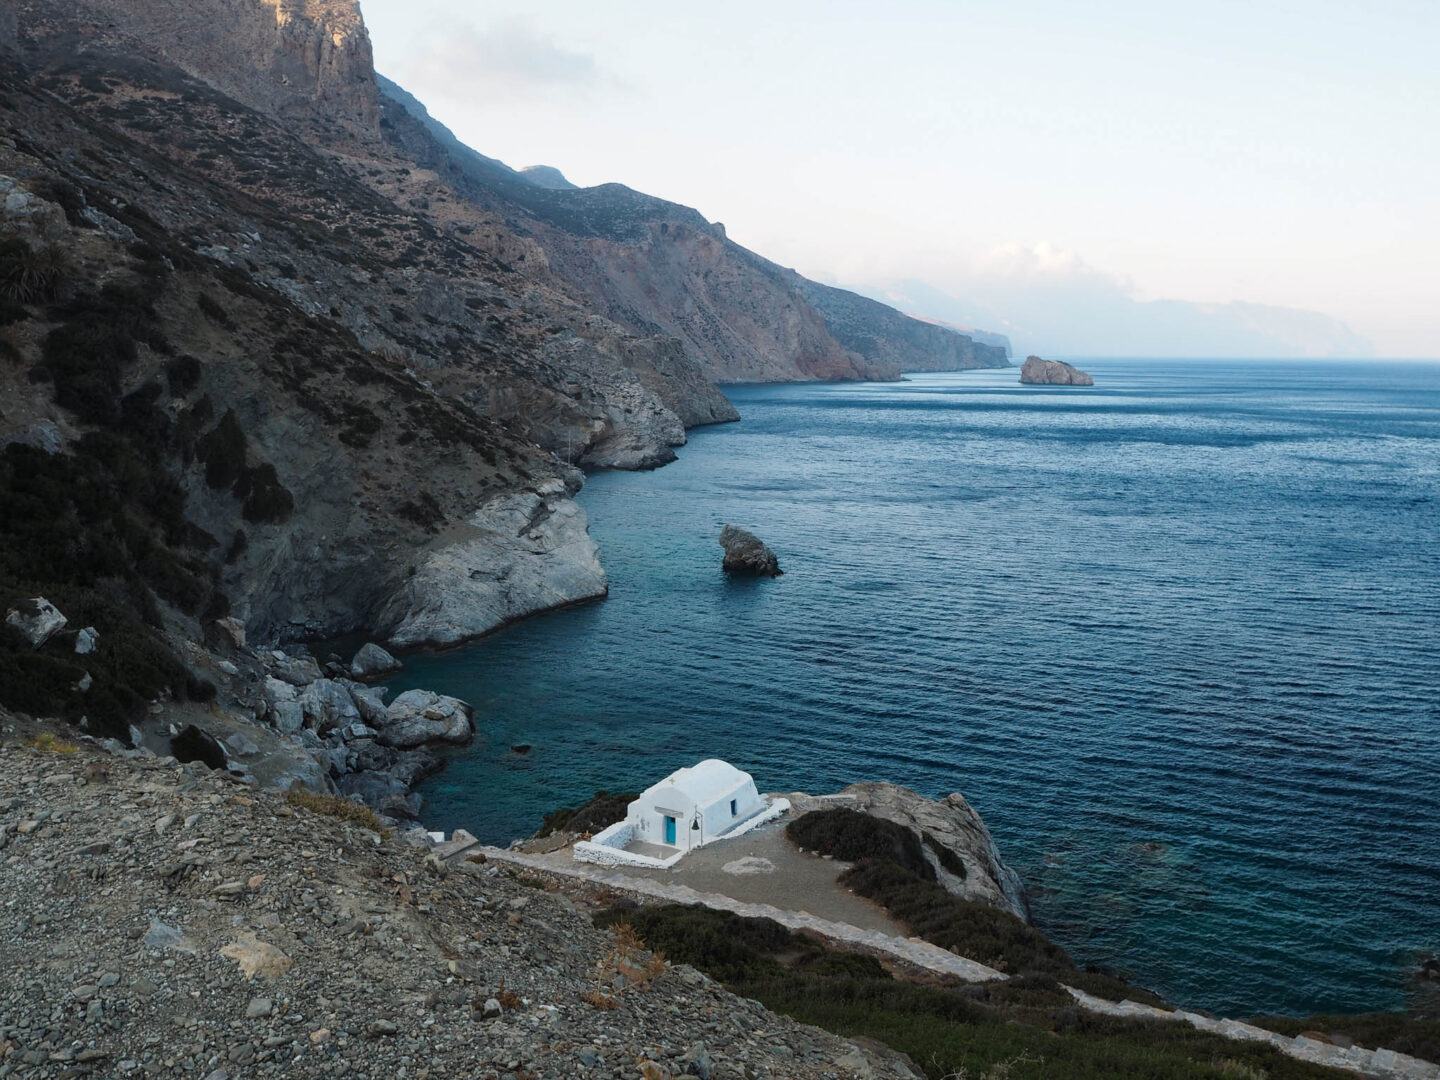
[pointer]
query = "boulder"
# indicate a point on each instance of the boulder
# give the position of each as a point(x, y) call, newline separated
point(295, 670)
point(86, 640)
point(242, 744)
point(193, 744)
point(372, 661)
point(746, 554)
point(43, 435)
point(1036, 371)
point(287, 716)
point(380, 791)
point(370, 700)
point(37, 620)
point(233, 630)
point(418, 717)
point(327, 704)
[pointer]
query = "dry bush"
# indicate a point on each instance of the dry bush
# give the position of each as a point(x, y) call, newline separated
point(49, 743)
point(336, 807)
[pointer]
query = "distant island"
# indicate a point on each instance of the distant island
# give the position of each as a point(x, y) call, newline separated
point(1038, 372)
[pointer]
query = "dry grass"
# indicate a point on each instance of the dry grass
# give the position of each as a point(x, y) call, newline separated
point(627, 966)
point(50, 744)
point(336, 807)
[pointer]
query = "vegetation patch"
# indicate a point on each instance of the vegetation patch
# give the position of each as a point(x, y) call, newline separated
point(31, 276)
point(849, 835)
point(336, 807)
point(1023, 1029)
point(600, 810)
point(49, 743)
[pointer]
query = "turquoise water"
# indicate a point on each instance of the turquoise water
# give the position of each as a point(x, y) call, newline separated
point(1175, 637)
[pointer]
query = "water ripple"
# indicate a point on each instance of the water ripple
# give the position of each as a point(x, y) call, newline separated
point(1178, 640)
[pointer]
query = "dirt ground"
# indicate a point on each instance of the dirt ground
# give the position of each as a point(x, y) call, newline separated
point(780, 874)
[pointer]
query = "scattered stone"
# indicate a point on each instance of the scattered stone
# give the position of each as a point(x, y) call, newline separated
point(85, 640)
point(258, 1008)
point(380, 1028)
point(746, 554)
point(37, 620)
point(162, 936)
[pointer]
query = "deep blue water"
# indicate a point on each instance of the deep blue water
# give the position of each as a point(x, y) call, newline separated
point(1177, 638)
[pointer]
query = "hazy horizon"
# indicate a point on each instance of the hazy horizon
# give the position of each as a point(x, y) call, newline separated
point(1054, 171)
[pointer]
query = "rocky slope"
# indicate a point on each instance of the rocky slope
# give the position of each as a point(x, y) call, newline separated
point(656, 267)
point(950, 824)
point(161, 920)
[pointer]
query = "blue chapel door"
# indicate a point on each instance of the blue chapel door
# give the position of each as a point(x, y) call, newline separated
point(669, 829)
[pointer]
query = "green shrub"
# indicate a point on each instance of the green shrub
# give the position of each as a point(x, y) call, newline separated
point(980, 932)
point(183, 374)
point(849, 835)
point(948, 859)
point(222, 450)
point(266, 499)
point(600, 810)
point(213, 311)
point(1024, 1028)
point(30, 276)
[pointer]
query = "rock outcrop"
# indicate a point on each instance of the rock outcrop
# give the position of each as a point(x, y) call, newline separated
point(371, 661)
point(36, 620)
point(1038, 372)
point(418, 717)
point(516, 555)
point(949, 825)
point(745, 553)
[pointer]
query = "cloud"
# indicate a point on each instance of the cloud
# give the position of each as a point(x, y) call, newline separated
point(512, 60)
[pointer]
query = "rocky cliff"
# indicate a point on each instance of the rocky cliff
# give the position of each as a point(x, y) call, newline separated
point(657, 267)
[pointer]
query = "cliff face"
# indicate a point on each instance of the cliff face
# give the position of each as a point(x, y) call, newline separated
point(286, 57)
point(326, 380)
point(656, 267)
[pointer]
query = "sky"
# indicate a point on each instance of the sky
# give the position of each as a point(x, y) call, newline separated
point(1020, 158)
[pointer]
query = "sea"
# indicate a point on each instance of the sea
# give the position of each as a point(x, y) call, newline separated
point(1176, 637)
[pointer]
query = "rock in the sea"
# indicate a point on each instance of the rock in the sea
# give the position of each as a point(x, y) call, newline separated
point(36, 619)
point(1036, 371)
point(746, 554)
point(418, 717)
point(372, 661)
point(194, 744)
point(525, 552)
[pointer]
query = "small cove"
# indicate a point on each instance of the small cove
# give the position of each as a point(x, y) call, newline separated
point(1175, 637)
